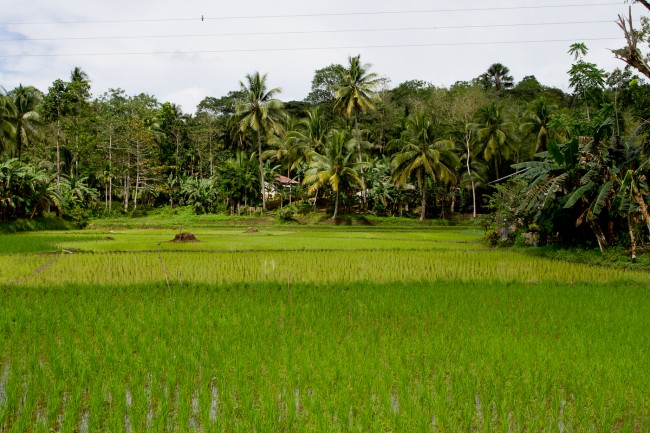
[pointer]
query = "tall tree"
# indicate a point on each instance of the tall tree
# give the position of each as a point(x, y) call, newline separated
point(586, 79)
point(422, 153)
point(65, 99)
point(310, 134)
point(536, 123)
point(494, 134)
point(112, 109)
point(323, 85)
point(25, 117)
point(497, 77)
point(631, 53)
point(260, 112)
point(464, 102)
point(356, 93)
point(335, 167)
point(7, 130)
point(173, 142)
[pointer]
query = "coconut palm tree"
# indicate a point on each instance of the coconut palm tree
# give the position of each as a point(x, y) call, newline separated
point(356, 93)
point(309, 135)
point(537, 118)
point(356, 90)
point(78, 75)
point(260, 112)
point(422, 153)
point(494, 134)
point(25, 118)
point(281, 147)
point(312, 131)
point(7, 130)
point(335, 167)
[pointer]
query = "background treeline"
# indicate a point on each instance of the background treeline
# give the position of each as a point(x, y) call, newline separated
point(571, 166)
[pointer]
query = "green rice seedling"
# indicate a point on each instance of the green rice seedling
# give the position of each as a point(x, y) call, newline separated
point(334, 339)
point(334, 266)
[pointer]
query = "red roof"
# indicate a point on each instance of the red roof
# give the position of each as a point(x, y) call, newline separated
point(286, 180)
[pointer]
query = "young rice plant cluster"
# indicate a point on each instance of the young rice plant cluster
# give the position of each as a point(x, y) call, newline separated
point(441, 336)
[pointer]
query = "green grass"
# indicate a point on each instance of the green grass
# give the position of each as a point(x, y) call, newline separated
point(307, 328)
point(36, 224)
point(174, 217)
point(444, 356)
point(42, 241)
point(184, 216)
point(277, 238)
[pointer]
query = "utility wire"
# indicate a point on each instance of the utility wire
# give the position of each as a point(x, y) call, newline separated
point(257, 50)
point(303, 32)
point(312, 15)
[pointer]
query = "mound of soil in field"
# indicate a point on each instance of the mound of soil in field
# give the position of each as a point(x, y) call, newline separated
point(185, 237)
point(251, 230)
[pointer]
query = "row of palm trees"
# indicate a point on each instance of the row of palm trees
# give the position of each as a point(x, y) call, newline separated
point(336, 157)
point(303, 145)
point(260, 112)
point(429, 152)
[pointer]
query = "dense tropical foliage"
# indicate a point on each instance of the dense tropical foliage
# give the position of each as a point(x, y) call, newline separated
point(573, 167)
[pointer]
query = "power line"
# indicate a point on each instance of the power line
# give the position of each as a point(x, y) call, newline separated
point(257, 50)
point(313, 15)
point(303, 32)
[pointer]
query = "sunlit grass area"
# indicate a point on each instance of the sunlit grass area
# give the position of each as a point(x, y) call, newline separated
point(439, 356)
point(313, 329)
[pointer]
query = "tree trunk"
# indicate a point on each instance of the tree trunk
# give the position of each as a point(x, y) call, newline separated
point(643, 207)
point(289, 176)
point(178, 145)
point(127, 186)
point(497, 163)
point(315, 198)
point(424, 199)
point(468, 137)
point(58, 149)
point(137, 175)
point(358, 140)
point(630, 227)
point(453, 199)
point(631, 54)
point(211, 158)
point(600, 236)
point(259, 157)
point(336, 206)
point(110, 170)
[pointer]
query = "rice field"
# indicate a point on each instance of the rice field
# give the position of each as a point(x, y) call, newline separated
point(308, 330)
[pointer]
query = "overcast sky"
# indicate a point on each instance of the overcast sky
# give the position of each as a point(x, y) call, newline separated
point(436, 41)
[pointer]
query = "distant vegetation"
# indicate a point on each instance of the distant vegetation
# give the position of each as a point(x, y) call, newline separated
point(572, 168)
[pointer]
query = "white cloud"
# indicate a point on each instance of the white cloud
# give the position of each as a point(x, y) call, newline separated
point(188, 77)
